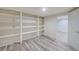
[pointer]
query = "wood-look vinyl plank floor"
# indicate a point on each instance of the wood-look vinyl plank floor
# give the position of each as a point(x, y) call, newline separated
point(58, 45)
point(41, 44)
point(35, 46)
point(44, 45)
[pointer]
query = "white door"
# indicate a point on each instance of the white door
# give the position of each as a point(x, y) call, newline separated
point(74, 29)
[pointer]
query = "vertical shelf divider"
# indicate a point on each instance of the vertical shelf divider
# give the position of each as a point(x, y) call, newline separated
point(38, 27)
point(20, 27)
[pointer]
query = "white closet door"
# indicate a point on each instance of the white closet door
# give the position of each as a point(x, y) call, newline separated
point(73, 29)
point(9, 28)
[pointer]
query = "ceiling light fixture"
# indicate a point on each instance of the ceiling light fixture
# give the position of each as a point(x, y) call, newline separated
point(43, 9)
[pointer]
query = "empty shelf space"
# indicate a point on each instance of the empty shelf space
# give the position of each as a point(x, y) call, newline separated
point(11, 35)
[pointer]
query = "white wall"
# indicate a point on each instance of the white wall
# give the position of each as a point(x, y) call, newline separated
point(74, 29)
point(52, 30)
point(50, 27)
point(62, 28)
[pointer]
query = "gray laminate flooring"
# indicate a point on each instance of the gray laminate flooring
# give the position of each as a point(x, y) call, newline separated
point(41, 44)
